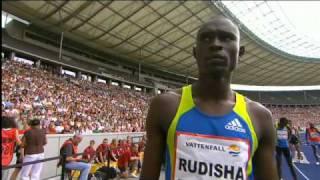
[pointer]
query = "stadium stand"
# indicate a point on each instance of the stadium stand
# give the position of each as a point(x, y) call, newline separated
point(76, 105)
point(284, 97)
point(300, 116)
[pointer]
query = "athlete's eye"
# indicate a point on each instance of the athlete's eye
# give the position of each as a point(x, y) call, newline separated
point(206, 39)
point(226, 38)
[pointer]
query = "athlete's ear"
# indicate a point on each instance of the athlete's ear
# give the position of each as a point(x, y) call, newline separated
point(242, 51)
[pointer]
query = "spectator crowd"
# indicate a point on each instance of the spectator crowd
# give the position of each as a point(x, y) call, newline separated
point(66, 105)
point(300, 116)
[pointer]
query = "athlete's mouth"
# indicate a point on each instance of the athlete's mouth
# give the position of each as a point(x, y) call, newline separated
point(217, 59)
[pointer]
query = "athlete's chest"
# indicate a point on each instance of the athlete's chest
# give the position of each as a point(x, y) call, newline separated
point(314, 134)
point(230, 125)
point(211, 147)
point(214, 108)
point(282, 134)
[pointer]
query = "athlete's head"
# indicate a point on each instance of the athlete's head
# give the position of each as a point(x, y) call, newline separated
point(134, 148)
point(217, 49)
point(129, 141)
point(114, 142)
point(311, 125)
point(283, 122)
point(290, 123)
point(105, 141)
point(77, 139)
point(34, 123)
point(92, 142)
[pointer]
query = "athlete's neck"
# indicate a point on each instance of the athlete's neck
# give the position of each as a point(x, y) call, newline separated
point(214, 88)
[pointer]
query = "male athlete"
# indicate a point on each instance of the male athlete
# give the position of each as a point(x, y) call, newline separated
point(313, 138)
point(206, 130)
point(294, 142)
point(283, 135)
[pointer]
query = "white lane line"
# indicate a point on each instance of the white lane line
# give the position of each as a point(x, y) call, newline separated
point(300, 172)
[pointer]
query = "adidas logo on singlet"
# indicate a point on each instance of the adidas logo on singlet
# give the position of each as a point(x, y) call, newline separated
point(235, 125)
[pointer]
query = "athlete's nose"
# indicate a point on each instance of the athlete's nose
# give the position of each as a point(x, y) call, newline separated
point(215, 44)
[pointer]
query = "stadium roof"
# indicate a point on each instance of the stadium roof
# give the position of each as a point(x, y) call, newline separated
point(278, 24)
point(161, 34)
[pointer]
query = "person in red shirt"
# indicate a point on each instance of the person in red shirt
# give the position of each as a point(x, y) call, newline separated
point(102, 151)
point(128, 162)
point(9, 137)
point(128, 143)
point(121, 148)
point(70, 149)
point(121, 143)
point(19, 151)
point(89, 154)
point(313, 138)
point(114, 150)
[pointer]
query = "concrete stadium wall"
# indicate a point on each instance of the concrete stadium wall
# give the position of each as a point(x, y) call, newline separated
point(55, 141)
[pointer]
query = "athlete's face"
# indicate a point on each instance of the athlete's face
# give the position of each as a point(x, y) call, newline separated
point(92, 143)
point(134, 148)
point(120, 142)
point(114, 142)
point(311, 125)
point(283, 122)
point(217, 48)
point(77, 140)
point(105, 141)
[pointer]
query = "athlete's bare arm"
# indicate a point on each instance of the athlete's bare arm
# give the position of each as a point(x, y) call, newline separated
point(101, 157)
point(22, 143)
point(289, 132)
point(18, 141)
point(264, 161)
point(161, 111)
point(156, 142)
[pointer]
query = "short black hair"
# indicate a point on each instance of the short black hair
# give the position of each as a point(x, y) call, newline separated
point(8, 122)
point(215, 18)
point(283, 120)
point(34, 122)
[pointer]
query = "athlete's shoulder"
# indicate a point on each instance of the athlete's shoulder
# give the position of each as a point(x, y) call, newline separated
point(261, 118)
point(259, 109)
point(163, 108)
point(167, 97)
